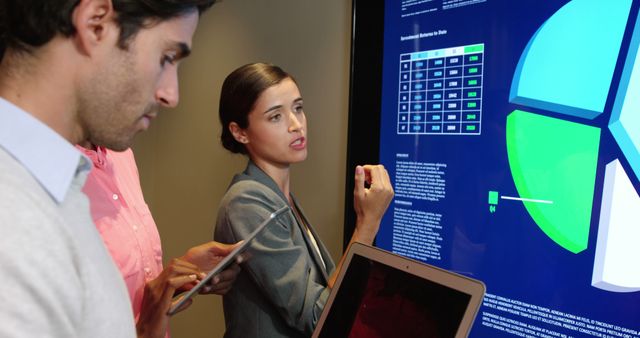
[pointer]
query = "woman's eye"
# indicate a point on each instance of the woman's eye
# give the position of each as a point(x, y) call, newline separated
point(298, 109)
point(275, 117)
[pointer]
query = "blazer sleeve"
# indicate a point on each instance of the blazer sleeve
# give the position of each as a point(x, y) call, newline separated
point(280, 264)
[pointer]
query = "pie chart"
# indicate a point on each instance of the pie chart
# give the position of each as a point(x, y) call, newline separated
point(561, 85)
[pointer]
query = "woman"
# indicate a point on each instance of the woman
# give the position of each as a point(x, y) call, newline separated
point(283, 287)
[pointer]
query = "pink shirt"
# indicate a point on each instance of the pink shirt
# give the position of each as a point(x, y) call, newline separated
point(123, 219)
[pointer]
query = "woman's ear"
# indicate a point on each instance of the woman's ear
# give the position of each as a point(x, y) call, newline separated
point(238, 133)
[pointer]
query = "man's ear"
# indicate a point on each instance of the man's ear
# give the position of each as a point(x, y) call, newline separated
point(93, 21)
point(238, 133)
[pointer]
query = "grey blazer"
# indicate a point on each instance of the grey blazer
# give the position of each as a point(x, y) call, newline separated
point(282, 288)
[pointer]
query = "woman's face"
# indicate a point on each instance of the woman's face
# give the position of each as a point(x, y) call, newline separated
point(277, 129)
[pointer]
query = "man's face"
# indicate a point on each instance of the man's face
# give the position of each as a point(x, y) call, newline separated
point(124, 95)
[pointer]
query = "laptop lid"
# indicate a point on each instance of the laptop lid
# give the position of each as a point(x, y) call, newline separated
point(379, 294)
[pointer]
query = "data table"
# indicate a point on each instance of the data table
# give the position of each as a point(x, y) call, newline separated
point(440, 91)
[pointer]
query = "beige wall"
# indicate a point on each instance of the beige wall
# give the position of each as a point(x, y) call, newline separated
point(184, 170)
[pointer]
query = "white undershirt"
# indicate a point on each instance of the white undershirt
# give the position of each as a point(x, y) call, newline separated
point(315, 245)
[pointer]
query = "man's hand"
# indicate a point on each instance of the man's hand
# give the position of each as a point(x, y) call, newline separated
point(158, 295)
point(206, 256)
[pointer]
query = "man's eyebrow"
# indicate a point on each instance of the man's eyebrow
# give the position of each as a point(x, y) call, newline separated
point(183, 50)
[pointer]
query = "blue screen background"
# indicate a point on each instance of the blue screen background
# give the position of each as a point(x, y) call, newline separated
point(505, 249)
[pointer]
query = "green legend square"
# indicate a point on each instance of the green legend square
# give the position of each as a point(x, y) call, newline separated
point(493, 197)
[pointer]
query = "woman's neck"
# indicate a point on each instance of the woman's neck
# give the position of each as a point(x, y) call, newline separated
point(278, 173)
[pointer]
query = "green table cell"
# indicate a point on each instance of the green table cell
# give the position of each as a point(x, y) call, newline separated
point(474, 48)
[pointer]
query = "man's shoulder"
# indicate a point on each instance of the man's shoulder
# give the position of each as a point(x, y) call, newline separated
point(31, 227)
point(21, 197)
point(15, 177)
point(11, 170)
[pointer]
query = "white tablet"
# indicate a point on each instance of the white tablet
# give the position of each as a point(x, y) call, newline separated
point(230, 258)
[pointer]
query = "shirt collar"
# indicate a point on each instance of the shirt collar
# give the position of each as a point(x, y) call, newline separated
point(98, 156)
point(50, 158)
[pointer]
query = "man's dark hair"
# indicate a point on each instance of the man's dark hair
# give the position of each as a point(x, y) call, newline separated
point(240, 91)
point(28, 24)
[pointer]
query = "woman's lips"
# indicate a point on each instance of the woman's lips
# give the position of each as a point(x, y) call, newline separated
point(299, 143)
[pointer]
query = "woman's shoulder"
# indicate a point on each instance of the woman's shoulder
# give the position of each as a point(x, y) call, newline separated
point(250, 190)
point(245, 204)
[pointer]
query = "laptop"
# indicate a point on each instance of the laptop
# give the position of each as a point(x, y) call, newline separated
point(379, 294)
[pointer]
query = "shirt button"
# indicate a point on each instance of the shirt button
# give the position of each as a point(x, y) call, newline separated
point(115, 197)
point(147, 270)
point(135, 228)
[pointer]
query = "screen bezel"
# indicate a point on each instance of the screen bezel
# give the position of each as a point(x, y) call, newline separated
point(365, 90)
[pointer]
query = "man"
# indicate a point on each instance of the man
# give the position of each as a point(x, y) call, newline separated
point(77, 71)
point(128, 230)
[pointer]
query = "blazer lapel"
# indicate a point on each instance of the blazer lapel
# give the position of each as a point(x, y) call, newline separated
point(314, 253)
point(254, 172)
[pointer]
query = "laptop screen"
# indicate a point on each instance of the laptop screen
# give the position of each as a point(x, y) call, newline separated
point(376, 300)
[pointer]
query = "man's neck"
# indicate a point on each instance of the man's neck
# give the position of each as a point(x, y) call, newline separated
point(88, 145)
point(42, 84)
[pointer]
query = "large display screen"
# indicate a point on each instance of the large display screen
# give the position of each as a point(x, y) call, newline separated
point(511, 132)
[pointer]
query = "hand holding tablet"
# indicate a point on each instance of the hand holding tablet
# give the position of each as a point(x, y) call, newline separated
point(230, 258)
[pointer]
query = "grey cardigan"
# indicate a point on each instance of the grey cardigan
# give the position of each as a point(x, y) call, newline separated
point(282, 288)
